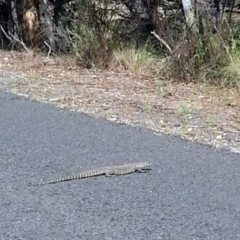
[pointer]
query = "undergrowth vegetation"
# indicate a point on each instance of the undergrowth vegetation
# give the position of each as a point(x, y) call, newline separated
point(206, 52)
point(153, 38)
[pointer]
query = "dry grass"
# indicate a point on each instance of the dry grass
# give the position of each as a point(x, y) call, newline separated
point(232, 73)
point(136, 61)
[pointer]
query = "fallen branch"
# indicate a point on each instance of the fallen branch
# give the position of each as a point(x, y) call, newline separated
point(21, 42)
point(162, 41)
point(11, 38)
point(49, 47)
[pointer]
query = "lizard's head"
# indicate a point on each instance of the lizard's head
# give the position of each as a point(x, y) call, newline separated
point(145, 165)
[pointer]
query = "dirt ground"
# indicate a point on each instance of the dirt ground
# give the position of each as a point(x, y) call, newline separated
point(197, 112)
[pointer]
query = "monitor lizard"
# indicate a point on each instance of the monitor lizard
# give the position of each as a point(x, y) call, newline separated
point(107, 171)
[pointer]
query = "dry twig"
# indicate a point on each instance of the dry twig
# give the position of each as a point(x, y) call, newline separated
point(162, 41)
point(11, 38)
point(49, 47)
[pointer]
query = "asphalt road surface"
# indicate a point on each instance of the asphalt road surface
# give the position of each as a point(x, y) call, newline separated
point(192, 192)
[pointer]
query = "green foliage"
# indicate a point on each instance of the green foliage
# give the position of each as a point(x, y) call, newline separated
point(94, 39)
point(211, 55)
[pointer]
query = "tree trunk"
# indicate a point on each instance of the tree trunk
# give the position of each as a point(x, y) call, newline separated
point(12, 18)
point(189, 13)
point(30, 10)
point(47, 26)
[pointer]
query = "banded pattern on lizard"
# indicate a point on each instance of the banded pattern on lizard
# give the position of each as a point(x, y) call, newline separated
point(107, 171)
